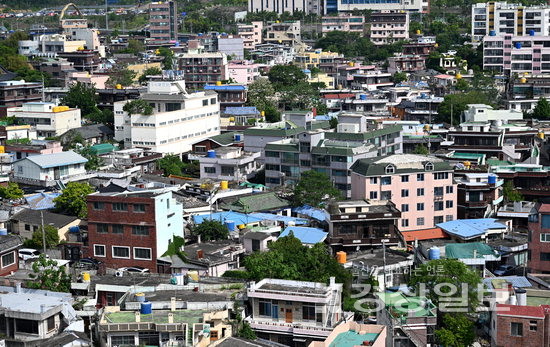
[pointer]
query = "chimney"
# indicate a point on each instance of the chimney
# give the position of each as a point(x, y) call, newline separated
point(314, 110)
point(18, 287)
point(172, 304)
point(170, 317)
point(200, 254)
point(138, 316)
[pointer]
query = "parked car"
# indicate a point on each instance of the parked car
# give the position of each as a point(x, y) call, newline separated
point(134, 269)
point(505, 270)
point(87, 263)
point(28, 253)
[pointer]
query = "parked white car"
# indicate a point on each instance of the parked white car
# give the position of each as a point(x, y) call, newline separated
point(28, 253)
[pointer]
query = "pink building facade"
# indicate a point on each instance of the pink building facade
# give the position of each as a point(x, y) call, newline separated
point(243, 72)
point(251, 34)
point(421, 187)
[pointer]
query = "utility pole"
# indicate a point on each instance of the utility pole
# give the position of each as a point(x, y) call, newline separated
point(43, 232)
point(106, 15)
point(384, 255)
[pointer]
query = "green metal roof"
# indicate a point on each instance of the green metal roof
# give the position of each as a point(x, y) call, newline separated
point(277, 132)
point(369, 167)
point(496, 162)
point(463, 155)
point(159, 317)
point(102, 148)
point(467, 250)
point(283, 147)
point(402, 305)
point(364, 136)
point(224, 139)
point(257, 202)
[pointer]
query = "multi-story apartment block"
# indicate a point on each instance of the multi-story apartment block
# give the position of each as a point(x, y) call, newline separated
point(163, 20)
point(49, 119)
point(285, 33)
point(532, 181)
point(310, 60)
point(421, 187)
point(289, 312)
point(228, 163)
point(16, 93)
point(360, 224)
point(58, 69)
point(406, 63)
point(502, 18)
point(343, 22)
point(486, 113)
point(49, 45)
point(244, 72)
point(508, 55)
point(272, 54)
point(524, 91)
point(83, 60)
point(229, 95)
point(133, 228)
point(371, 80)
point(422, 108)
point(282, 6)
point(389, 26)
point(200, 69)
point(539, 240)
point(331, 6)
point(479, 195)
point(178, 119)
point(251, 34)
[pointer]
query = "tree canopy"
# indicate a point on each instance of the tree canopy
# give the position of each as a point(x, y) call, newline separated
point(138, 106)
point(283, 76)
point(314, 188)
point(150, 71)
point(122, 76)
point(456, 331)
point(171, 164)
point(73, 199)
point(51, 235)
point(11, 191)
point(83, 97)
point(455, 104)
point(211, 230)
point(47, 275)
point(510, 192)
point(542, 109)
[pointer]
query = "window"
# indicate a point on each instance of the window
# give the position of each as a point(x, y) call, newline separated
point(27, 227)
point(51, 323)
point(308, 312)
point(545, 237)
point(172, 106)
point(142, 253)
point(210, 169)
point(374, 180)
point(404, 193)
point(438, 206)
point(420, 177)
point(228, 170)
point(212, 101)
point(99, 250)
point(438, 219)
point(125, 340)
point(449, 189)
point(8, 259)
point(121, 252)
point(441, 175)
point(516, 329)
point(117, 229)
point(545, 221)
point(405, 208)
point(120, 206)
point(438, 191)
point(404, 223)
point(404, 178)
point(98, 205)
point(420, 206)
point(265, 308)
point(385, 195)
point(449, 204)
point(390, 169)
point(385, 181)
point(420, 221)
point(102, 228)
point(26, 326)
point(142, 230)
point(544, 256)
point(429, 167)
point(532, 325)
point(448, 218)
point(373, 195)
point(205, 102)
point(139, 208)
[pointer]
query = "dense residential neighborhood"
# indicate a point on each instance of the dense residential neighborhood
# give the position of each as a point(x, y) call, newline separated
point(333, 173)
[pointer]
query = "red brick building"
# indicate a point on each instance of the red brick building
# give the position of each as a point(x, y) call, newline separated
point(525, 326)
point(539, 240)
point(9, 260)
point(133, 228)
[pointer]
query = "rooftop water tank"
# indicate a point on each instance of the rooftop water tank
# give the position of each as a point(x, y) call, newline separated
point(517, 45)
point(492, 33)
point(531, 32)
point(211, 154)
point(146, 308)
point(434, 253)
point(492, 179)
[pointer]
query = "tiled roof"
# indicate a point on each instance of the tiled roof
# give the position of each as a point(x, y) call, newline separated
point(544, 208)
point(224, 139)
point(424, 234)
point(50, 218)
point(520, 311)
point(404, 163)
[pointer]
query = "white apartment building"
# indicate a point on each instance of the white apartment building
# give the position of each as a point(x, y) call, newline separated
point(486, 113)
point(228, 163)
point(282, 6)
point(508, 54)
point(47, 118)
point(513, 19)
point(49, 45)
point(389, 26)
point(286, 33)
point(179, 119)
point(418, 6)
point(251, 34)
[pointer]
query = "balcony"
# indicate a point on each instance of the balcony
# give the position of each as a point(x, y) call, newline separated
point(296, 329)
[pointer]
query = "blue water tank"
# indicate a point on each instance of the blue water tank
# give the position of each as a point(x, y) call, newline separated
point(434, 253)
point(492, 33)
point(492, 179)
point(3, 231)
point(517, 45)
point(531, 32)
point(211, 154)
point(230, 225)
point(363, 96)
point(146, 308)
point(74, 229)
point(237, 137)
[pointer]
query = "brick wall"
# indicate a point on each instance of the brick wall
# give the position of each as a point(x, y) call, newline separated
point(8, 269)
point(530, 338)
point(536, 247)
point(126, 219)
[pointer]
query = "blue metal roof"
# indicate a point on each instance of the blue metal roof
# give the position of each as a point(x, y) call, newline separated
point(41, 201)
point(515, 281)
point(238, 111)
point(46, 161)
point(224, 87)
point(315, 213)
point(279, 218)
point(238, 218)
point(470, 228)
point(306, 235)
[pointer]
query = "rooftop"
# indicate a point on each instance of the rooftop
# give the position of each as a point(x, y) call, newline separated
point(470, 250)
point(34, 217)
point(158, 317)
point(471, 228)
point(306, 235)
point(352, 338)
point(403, 163)
point(401, 305)
point(46, 161)
point(424, 234)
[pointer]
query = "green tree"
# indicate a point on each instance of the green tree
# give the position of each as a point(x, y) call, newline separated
point(457, 331)
point(138, 106)
point(51, 234)
point(122, 76)
point(542, 109)
point(246, 332)
point(283, 76)
point(333, 122)
point(168, 55)
point(462, 85)
point(134, 47)
point(421, 149)
point(272, 114)
point(446, 275)
point(211, 230)
point(73, 199)
point(150, 71)
point(260, 94)
point(47, 275)
point(171, 164)
point(399, 77)
point(11, 191)
point(314, 188)
point(94, 161)
point(455, 104)
point(84, 98)
point(511, 193)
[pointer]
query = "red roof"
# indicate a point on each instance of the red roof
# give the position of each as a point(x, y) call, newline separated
point(424, 234)
point(520, 311)
point(339, 96)
point(544, 208)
